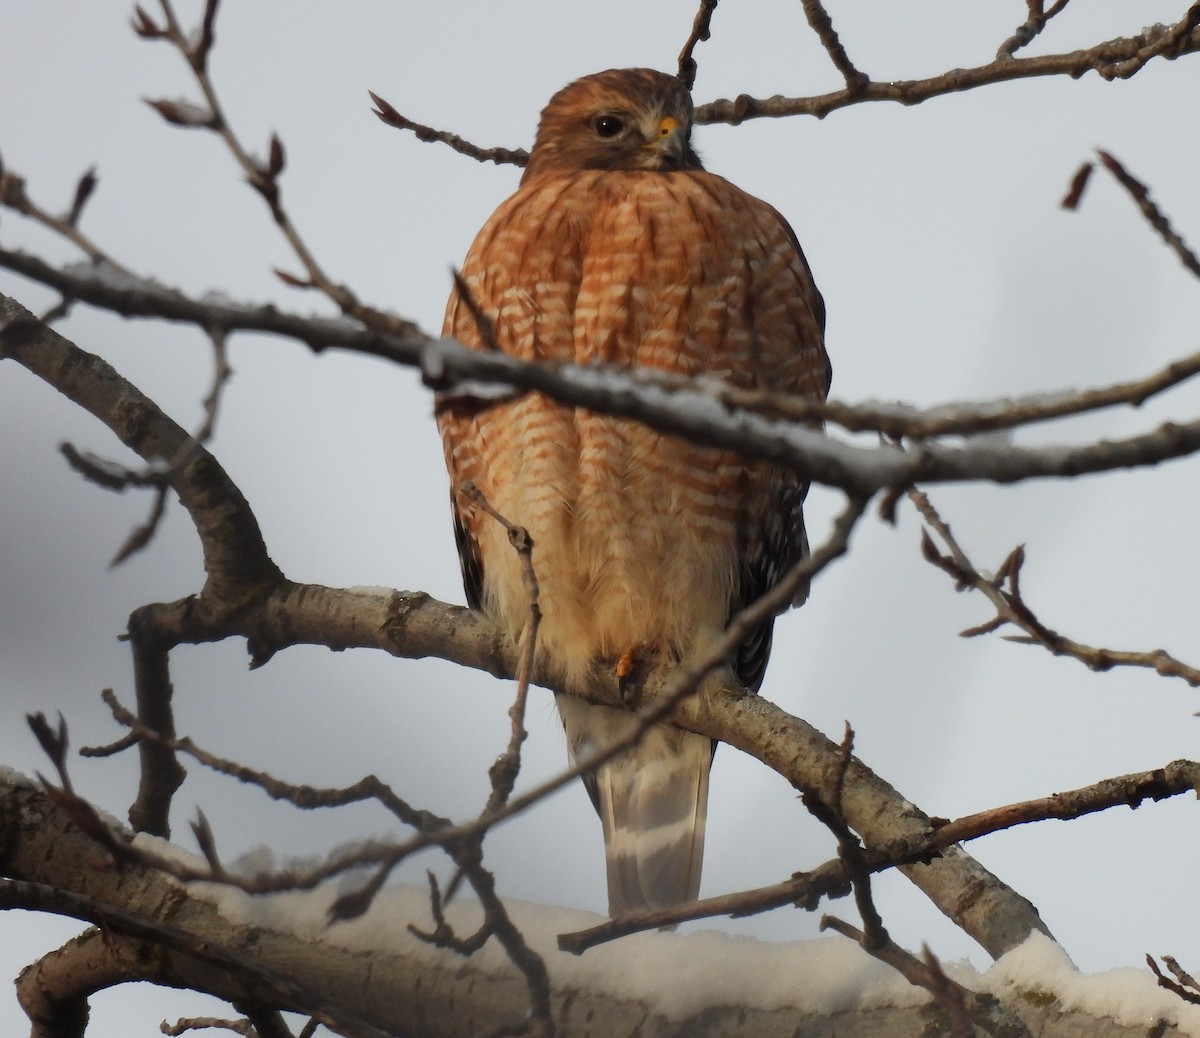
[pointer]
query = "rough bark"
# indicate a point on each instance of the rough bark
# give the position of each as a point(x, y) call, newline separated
point(415, 990)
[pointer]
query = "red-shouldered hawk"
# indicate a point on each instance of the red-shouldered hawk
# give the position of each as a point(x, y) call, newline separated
point(618, 248)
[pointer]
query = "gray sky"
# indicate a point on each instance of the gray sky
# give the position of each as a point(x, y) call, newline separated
point(948, 270)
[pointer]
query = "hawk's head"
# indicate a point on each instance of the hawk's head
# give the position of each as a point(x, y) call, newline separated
point(629, 118)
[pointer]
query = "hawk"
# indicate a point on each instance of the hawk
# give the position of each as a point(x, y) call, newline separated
point(619, 248)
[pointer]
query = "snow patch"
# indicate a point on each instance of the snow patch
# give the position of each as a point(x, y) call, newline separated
point(1130, 996)
point(682, 974)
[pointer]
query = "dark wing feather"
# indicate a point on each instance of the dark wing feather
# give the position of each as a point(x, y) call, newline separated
point(468, 558)
point(773, 549)
point(781, 541)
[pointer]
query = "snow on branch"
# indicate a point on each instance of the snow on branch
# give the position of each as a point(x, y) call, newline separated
point(651, 985)
point(696, 409)
point(246, 595)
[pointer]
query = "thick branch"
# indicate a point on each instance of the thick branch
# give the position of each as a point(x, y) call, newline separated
point(414, 625)
point(235, 557)
point(701, 414)
point(409, 988)
point(102, 286)
point(278, 613)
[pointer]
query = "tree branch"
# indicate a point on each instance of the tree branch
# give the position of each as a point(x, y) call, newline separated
point(246, 595)
point(711, 415)
point(1119, 58)
point(1004, 592)
point(413, 989)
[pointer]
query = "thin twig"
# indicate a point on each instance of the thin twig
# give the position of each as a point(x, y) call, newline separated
point(1119, 791)
point(1028, 31)
point(221, 375)
point(433, 830)
point(141, 536)
point(200, 1023)
point(604, 389)
point(802, 890)
point(157, 477)
point(264, 177)
point(1154, 216)
point(850, 849)
point(500, 156)
point(483, 323)
point(304, 797)
point(1004, 593)
point(966, 1008)
point(1180, 974)
point(503, 773)
point(13, 196)
point(701, 31)
point(1184, 989)
point(822, 25)
point(831, 880)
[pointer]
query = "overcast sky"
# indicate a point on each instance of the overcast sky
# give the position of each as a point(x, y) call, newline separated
point(948, 270)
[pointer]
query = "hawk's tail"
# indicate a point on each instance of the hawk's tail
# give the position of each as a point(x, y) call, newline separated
point(652, 801)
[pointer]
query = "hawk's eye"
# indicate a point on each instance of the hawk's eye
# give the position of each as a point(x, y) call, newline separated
point(607, 125)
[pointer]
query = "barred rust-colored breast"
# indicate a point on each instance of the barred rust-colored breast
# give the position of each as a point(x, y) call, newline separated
point(637, 535)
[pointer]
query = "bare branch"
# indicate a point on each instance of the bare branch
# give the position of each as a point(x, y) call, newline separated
point(802, 890)
point(966, 1009)
point(141, 536)
point(13, 196)
point(701, 31)
point(500, 156)
point(222, 373)
point(1120, 791)
point(1154, 216)
point(1184, 988)
point(301, 796)
point(1108, 59)
point(822, 25)
point(1031, 27)
point(828, 811)
point(1170, 43)
point(1011, 607)
point(832, 879)
point(145, 298)
point(507, 766)
point(271, 982)
point(235, 556)
point(200, 1023)
point(264, 177)
point(110, 474)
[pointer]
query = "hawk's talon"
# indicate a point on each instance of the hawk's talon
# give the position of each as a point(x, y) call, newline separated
point(625, 665)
